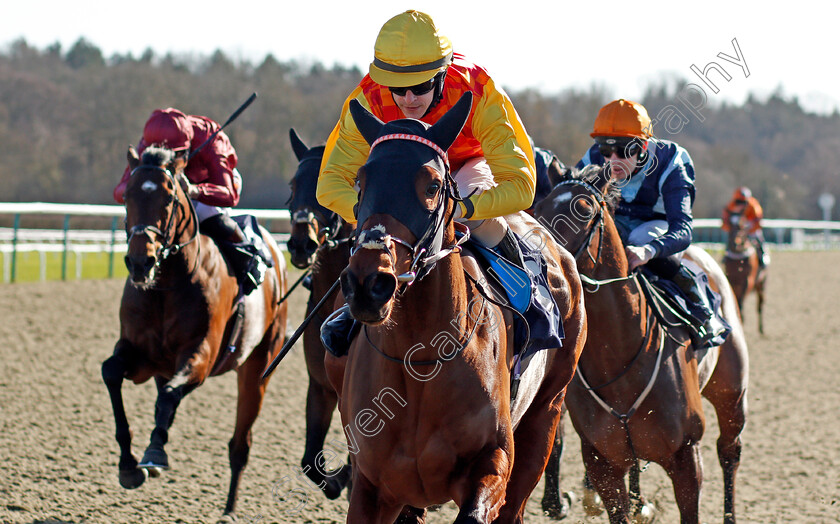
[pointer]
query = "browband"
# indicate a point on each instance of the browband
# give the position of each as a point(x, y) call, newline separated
point(413, 138)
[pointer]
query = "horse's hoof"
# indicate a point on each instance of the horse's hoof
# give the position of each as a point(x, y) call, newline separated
point(155, 458)
point(133, 478)
point(227, 518)
point(559, 510)
point(645, 514)
point(591, 502)
point(337, 482)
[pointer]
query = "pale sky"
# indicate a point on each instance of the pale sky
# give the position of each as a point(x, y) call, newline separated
point(546, 45)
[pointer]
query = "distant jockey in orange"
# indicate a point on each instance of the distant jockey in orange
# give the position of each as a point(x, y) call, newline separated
point(743, 204)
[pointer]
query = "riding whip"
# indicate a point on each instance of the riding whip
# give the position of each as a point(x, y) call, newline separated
point(233, 117)
point(296, 335)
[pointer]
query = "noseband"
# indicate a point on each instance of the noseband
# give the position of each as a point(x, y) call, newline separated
point(329, 231)
point(166, 247)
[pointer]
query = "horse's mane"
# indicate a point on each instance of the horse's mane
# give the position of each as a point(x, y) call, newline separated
point(156, 156)
point(598, 176)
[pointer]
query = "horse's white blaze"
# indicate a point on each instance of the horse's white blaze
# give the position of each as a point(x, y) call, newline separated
point(148, 186)
point(563, 197)
point(534, 371)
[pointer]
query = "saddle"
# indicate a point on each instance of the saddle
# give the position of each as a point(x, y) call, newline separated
point(537, 324)
point(669, 302)
point(250, 258)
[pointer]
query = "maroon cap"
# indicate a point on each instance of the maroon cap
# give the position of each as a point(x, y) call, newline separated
point(169, 128)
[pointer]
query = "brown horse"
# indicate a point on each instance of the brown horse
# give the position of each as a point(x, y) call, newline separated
point(178, 317)
point(637, 391)
point(425, 393)
point(319, 240)
point(742, 267)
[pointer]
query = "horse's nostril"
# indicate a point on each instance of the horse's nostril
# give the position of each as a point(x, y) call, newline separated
point(150, 262)
point(381, 286)
point(128, 263)
point(348, 284)
point(311, 246)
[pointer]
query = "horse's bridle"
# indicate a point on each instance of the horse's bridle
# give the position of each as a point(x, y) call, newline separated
point(423, 254)
point(599, 226)
point(330, 229)
point(166, 248)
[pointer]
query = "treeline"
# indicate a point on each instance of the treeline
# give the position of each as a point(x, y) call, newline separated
point(67, 117)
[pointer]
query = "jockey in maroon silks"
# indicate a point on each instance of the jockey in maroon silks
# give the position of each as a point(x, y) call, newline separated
point(214, 182)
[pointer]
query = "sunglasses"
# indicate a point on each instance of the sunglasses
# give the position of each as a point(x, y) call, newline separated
point(621, 150)
point(419, 89)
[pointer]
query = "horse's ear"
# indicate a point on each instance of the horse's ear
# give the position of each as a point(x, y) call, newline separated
point(446, 130)
point(298, 146)
point(366, 122)
point(557, 171)
point(132, 157)
point(600, 176)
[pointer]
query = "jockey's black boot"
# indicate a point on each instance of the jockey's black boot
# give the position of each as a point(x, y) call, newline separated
point(339, 330)
point(704, 327)
point(763, 255)
point(509, 248)
point(241, 253)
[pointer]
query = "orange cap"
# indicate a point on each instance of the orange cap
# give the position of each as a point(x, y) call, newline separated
point(622, 118)
point(742, 193)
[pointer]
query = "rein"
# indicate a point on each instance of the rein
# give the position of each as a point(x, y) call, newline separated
point(433, 361)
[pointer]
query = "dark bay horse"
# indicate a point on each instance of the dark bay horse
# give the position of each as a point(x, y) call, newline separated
point(177, 317)
point(319, 241)
point(425, 393)
point(742, 267)
point(637, 392)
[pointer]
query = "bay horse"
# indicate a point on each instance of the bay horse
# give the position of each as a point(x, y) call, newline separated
point(637, 390)
point(741, 264)
point(319, 241)
point(425, 393)
point(178, 317)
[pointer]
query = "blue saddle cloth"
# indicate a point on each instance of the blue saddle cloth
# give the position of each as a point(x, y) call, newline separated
point(528, 292)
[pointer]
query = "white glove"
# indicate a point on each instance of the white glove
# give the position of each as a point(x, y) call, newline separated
point(458, 213)
point(639, 255)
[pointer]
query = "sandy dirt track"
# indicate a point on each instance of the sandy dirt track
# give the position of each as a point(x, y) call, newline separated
point(59, 454)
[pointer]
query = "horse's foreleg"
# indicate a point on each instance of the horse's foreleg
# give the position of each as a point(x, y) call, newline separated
point(251, 392)
point(320, 404)
point(731, 414)
point(686, 471)
point(365, 506)
point(555, 503)
point(113, 373)
point(166, 405)
point(484, 487)
point(411, 515)
point(608, 481)
point(534, 440)
point(759, 293)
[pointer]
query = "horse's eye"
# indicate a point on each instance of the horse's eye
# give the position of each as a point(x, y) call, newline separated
point(433, 188)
